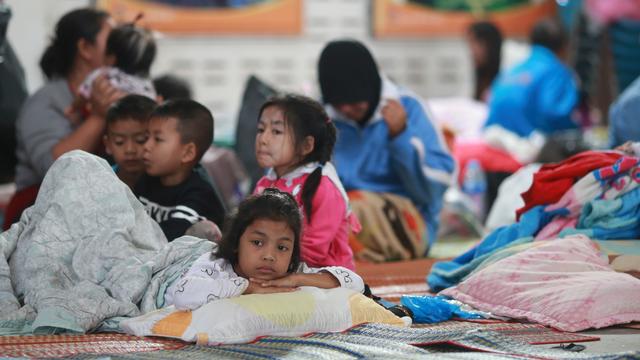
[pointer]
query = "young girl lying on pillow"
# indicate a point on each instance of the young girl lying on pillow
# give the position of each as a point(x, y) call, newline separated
point(259, 253)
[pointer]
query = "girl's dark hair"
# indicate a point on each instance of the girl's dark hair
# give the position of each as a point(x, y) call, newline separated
point(306, 117)
point(78, 24)
point(272, 204)
point(134, 49)
point(490, 36)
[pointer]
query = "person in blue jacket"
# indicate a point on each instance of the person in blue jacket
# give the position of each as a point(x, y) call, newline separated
point(540, 94)
point(386, 141)
point(624, 116)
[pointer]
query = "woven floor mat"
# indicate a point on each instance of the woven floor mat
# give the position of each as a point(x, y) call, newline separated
point(69, 345)
point(534, 334)
point(372, 341)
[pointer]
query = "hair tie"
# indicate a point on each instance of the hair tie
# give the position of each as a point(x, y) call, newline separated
point(327, 120)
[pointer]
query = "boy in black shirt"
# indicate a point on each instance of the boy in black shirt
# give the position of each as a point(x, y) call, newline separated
point(173, 193)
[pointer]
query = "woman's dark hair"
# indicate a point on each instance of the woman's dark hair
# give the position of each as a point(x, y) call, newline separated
point(272, 204)
point(134, 49)
point(306, 117)
point(78, 24)
point(490, 36)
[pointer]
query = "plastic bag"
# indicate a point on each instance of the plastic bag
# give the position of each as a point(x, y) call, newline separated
point(433, 309)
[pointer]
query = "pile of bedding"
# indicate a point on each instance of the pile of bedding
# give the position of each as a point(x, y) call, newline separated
point(548, 263)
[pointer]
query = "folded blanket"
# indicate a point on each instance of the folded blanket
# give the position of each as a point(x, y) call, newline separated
point(85, 252)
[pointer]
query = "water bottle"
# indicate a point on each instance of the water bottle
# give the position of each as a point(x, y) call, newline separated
point(474, 184)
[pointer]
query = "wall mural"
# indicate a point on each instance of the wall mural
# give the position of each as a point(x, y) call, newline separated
point(207, 17)
point(425, 18)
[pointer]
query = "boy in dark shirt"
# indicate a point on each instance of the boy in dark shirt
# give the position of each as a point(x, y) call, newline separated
point(173, 193)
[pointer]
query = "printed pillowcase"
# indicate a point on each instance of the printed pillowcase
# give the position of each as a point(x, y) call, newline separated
point(564, 283)
point(244, 318)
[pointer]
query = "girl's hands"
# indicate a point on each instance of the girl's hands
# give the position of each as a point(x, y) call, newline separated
point(255, 287)
point(323, 280)
point(289, 281)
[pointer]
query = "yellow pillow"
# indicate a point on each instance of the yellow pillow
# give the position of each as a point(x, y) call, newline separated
point(244, 318)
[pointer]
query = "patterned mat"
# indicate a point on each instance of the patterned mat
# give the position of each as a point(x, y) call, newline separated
point(534, 334)
point(364, 341)
point(372, 341)
point(70, 345)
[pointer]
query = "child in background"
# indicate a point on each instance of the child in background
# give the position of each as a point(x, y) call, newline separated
point(259, 253)
point(295, 140)
point(485, 44)
point(130, 51)
point(174, 195)
point(171, 87)
point(126, 134)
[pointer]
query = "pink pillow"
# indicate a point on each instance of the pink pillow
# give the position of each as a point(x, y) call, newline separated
point(565, 283)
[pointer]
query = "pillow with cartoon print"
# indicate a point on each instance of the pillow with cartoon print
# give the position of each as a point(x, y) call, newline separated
point(244, 318)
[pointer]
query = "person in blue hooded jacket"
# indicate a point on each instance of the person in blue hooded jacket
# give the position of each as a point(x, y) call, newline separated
point(624, 119)
point(386, 144)
point(540, 94)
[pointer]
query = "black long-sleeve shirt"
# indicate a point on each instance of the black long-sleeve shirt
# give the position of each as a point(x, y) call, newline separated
point(178, 207)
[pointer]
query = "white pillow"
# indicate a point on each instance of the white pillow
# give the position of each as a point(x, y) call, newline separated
point(244, 318)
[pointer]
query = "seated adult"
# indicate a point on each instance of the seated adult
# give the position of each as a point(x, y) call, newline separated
point(43, 132)
point(485, 44)
point(540, 94)
point(624, 116)
point(387, 147)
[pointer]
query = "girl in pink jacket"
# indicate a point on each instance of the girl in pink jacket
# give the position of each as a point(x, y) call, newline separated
point(294, 142)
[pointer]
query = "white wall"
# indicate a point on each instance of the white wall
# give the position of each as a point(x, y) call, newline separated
point(218, 67)
point(29, 30)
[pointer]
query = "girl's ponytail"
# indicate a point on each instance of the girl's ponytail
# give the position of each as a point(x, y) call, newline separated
point(309, 191)
point(324, 145)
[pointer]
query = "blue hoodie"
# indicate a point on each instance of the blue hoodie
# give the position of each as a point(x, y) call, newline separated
point(624, 116)
point(538, 94)
point(414, 164)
